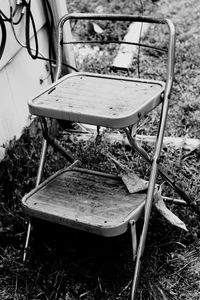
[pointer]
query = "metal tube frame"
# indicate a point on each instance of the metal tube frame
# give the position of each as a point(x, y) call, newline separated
point(133, 238)
point(39, 176)
point(111, 17)
point(53, 142)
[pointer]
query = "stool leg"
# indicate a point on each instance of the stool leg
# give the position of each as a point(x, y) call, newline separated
point(147, 213)
point(39, 176)
point(133, 238)
point(42, 161)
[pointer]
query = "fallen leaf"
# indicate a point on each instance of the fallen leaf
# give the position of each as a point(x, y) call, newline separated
point(133, 182)
point(97, 28)
point(165, 212)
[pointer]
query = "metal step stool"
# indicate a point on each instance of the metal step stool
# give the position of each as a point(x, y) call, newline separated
point(84, 199)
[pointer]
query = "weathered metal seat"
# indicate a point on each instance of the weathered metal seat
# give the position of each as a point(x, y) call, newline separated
point(92, 201)
point(101, 100)
point(87, 200)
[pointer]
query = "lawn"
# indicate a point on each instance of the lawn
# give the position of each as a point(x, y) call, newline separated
point(64, 264)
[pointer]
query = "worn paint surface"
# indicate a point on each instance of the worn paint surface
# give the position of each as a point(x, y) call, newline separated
point(119, 101)
point(95, 202)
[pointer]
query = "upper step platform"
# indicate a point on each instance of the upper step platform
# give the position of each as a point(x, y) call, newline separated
point(109, 101)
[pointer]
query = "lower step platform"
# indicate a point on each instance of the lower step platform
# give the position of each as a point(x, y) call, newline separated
point(87, 200)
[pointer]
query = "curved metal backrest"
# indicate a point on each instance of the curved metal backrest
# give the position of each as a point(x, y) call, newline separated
point(120, 17)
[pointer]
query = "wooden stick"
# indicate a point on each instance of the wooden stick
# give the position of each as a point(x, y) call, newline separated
point(126, 53)
point(116, 137)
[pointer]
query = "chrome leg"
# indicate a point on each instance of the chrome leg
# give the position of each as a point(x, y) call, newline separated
point(148, 206)
point(147, 213)
point(133, 238)
point(42, 161)
point(39, 176)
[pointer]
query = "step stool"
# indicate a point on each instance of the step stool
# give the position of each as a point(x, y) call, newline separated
point(88, 200)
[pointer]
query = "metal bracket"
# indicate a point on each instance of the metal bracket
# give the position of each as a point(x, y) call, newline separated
point(53, 142)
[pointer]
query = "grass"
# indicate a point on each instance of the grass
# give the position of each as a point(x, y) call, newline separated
point(65, 264)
